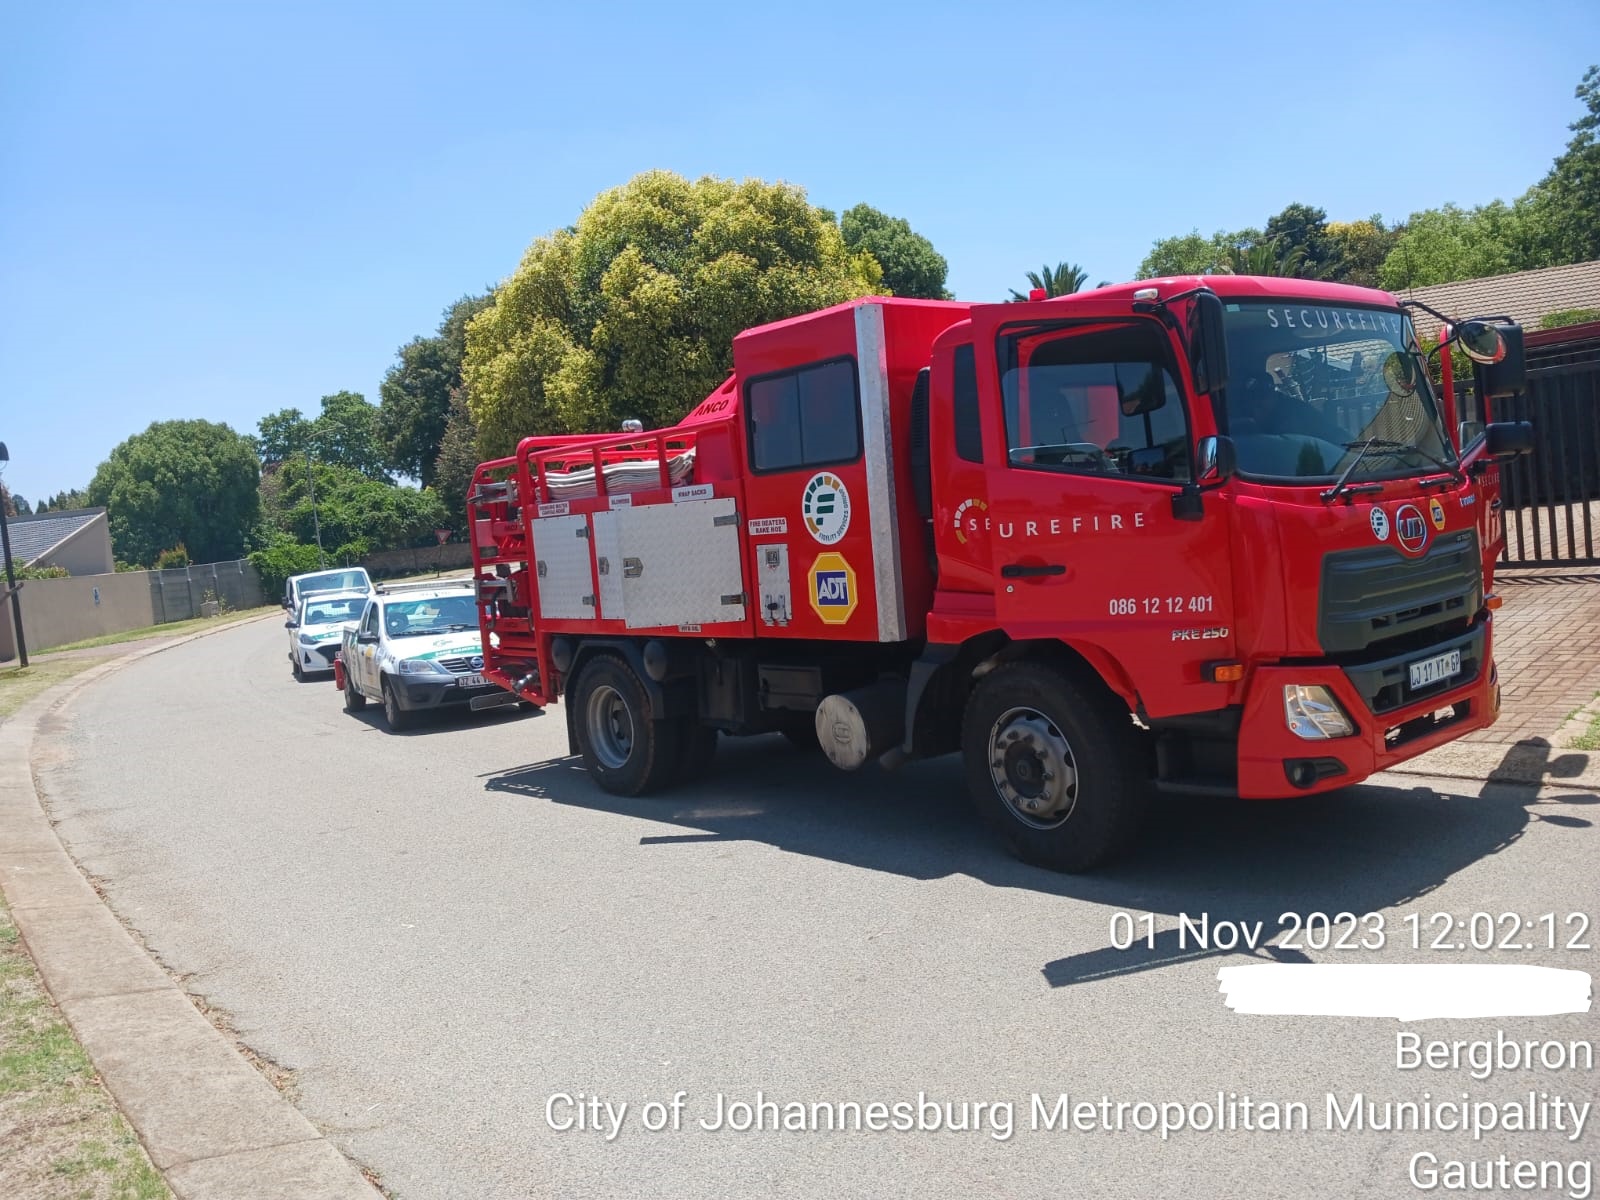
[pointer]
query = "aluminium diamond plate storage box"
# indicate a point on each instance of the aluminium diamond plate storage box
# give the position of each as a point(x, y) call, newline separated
point(680, 563)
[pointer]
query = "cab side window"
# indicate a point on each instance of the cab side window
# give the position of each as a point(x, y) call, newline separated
point(1100, 403)
point(369, 623)
point(809, 417)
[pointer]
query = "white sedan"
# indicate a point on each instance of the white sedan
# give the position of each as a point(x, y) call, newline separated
point(316, 626)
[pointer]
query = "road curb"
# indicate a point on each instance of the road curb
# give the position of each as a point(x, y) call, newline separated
point(210, 1122)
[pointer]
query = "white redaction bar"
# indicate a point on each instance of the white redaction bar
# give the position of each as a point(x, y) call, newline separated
point(1415, 992)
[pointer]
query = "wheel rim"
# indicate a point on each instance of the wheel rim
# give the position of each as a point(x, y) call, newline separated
point(610, 727)
point(1033, 768)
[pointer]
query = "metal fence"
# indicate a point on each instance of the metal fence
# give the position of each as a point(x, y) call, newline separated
point(181, 593)
point(1551, 497)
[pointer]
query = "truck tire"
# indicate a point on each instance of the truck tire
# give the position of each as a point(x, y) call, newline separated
point(398, 718)
point(1053, 766)
point(354, 701)
point(627, 752)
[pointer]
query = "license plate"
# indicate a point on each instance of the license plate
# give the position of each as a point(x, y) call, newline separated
point(479, 680)
point(1432, 670)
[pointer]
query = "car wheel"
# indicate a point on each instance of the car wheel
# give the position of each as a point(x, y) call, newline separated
point(626, 751)
point(1054, 767)
point(396, 717)
point(299, 673)
point(354, 701)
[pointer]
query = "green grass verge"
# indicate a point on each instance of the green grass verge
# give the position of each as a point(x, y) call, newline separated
point(61, 1136)
point(172, 628)
point(18, 685)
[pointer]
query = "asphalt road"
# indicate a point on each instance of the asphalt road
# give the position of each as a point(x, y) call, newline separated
point(439, 931)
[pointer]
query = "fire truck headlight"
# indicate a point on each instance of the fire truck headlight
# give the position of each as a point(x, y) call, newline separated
point(1312, 713)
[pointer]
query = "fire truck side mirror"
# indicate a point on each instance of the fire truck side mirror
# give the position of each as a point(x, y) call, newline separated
point(1208, 348)
point(1508, 376)
point(1218, 460)
point(1508, 439)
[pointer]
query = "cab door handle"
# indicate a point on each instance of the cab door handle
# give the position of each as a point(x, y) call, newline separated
point(1027, 571)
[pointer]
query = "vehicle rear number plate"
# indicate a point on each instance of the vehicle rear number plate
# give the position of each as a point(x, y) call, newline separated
point(479, 681)
point(1432, 670)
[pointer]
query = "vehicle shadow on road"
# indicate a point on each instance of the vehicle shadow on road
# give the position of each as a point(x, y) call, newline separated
point(1358, 850)
point(428, 722)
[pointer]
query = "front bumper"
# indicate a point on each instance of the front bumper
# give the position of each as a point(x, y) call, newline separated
point(313, 659)
point(1273, 762)
point(425, 692)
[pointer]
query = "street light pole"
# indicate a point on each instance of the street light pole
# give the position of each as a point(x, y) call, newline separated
point(12, 587)
point(316, 523)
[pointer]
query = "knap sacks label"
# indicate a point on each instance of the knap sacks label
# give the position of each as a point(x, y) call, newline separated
point(825, 505)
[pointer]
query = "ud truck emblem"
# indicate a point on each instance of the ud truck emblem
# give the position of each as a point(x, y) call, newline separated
point(826, 507)
point(1380, 524)
point(1410, 530)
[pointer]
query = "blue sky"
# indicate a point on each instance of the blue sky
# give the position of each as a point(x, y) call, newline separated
point(219, 210)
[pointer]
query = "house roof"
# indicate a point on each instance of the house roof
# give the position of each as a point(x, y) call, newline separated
point(35, 536)
point(1524, 296)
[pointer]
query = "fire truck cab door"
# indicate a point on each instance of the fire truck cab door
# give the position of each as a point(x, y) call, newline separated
point(1485, 474)
point(1095, 440)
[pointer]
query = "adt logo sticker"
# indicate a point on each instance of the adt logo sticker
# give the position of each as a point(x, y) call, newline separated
point(826, 507)
point(833, 588)
point(1410, 530)
point(1380, 524)
point(1436, 513)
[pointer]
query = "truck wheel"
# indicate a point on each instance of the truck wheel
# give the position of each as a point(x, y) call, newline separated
point(627, 753)
point(1053, 767)
point(396, 717)
point(354, 701)
point(697, 746)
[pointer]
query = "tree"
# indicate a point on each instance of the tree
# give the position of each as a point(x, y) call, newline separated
point(356, 514)
point(280, 434)
point(192, 482)
point(1264, 257)
point(632, 313)
point(1299, 236)
point(415, 408)
point(1357, 250)
point(345, 434)
point(15, 506)
point(458, 457)
point(1061, 280)
point(911, 266)
point(1570, 194)
point(75, 498)
point(1442, 245)
point(1190, 254)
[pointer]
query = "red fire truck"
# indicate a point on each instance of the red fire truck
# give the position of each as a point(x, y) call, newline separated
point(1214, 534)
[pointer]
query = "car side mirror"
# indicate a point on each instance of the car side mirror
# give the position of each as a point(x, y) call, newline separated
point(366, 639)
point(1218, 460)
point(1508, 439)
point(291, 624)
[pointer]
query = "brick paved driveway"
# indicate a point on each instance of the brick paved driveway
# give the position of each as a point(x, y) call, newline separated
point(1547, 645)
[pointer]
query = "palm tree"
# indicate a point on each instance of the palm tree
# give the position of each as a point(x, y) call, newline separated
point(1061, 280)
point(1262, 258)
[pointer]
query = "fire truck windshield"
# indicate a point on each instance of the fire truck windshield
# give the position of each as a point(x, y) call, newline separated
point(1310, 386)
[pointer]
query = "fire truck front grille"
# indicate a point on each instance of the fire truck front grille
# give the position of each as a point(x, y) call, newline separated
point(1377, 595)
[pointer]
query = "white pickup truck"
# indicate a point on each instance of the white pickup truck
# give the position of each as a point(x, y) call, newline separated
point(417, 648)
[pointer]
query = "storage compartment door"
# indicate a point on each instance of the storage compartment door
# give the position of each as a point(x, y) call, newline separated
point(681, 563)
point(608, 561)
point(561, 557)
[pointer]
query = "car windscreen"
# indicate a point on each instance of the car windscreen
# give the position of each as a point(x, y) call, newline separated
point(335, 581)
point(332, 612)
point(438, 614)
